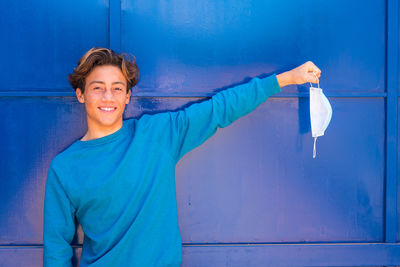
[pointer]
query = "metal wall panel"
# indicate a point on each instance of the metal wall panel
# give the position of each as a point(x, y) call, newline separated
point(199, 46)
point(34, 133)
point(251, 195)
point(38, 129)
point(241, 256)
point(284, 255)
point(392, 120)
point(282, 194)
point(43, 40)
point(398, 138)
point(20, 256)
point(258, 201)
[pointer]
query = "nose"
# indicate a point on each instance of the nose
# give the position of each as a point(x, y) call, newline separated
point(107, 95)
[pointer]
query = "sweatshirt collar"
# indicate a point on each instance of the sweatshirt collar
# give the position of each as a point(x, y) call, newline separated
point(104, 139)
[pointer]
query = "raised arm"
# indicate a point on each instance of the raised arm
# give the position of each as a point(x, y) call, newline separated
point(59, 224)
point(193, 125)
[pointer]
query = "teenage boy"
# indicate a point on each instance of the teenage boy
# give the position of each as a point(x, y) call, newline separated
point(118, 180)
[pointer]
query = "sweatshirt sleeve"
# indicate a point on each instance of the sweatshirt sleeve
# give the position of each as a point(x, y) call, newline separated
point(195, 124)
point(59, 224)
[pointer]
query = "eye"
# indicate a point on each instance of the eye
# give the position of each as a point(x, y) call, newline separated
point(118, 88)
point(96, 88)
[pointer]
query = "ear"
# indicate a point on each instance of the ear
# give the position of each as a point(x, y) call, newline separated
point(128, 96)
point(79, 95)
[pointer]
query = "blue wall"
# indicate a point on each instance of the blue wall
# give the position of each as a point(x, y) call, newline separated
point(251, 195)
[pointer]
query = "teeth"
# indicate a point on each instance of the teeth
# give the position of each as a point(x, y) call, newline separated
point(107, 109)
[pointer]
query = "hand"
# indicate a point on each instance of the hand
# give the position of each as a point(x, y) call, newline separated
point(307, 72)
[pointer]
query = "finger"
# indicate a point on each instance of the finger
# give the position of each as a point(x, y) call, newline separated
point(314, 74)
point(317, 70)
point(317, 74)
point(311, 67)
point(312, 78)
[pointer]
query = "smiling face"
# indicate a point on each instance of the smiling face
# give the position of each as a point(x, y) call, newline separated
point(105, 96)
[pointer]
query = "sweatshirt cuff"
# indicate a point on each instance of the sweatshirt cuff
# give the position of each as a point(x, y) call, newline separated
point(271, 84)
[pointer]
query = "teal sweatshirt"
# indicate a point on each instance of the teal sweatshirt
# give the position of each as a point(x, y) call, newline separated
point(121, 187)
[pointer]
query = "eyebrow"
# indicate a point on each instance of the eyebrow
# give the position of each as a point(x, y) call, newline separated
point(117, 82)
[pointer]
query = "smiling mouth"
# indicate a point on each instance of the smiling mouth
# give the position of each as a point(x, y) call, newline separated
point(107, 109)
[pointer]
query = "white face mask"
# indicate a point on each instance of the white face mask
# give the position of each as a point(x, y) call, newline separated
point(320, 113)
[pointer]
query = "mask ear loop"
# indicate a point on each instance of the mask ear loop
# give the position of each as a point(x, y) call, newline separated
point(317, 79)
point(314, 150)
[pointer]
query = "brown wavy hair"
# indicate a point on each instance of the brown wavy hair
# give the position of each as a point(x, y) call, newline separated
point(98, 56)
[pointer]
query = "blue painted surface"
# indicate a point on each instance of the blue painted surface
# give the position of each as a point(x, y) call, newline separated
point(257, 201)
point(282, 194)
point(391, 120)
point(115, 25)
point(203, 45)
point(398, 177)
point(37, 130)
point(251, 195)
point(292, 255)
point(249, 255)
point(43, 40)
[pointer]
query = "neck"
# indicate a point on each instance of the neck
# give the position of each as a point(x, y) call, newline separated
point(95, 132)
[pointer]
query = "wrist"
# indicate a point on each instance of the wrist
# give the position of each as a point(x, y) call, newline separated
point(284, 78)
